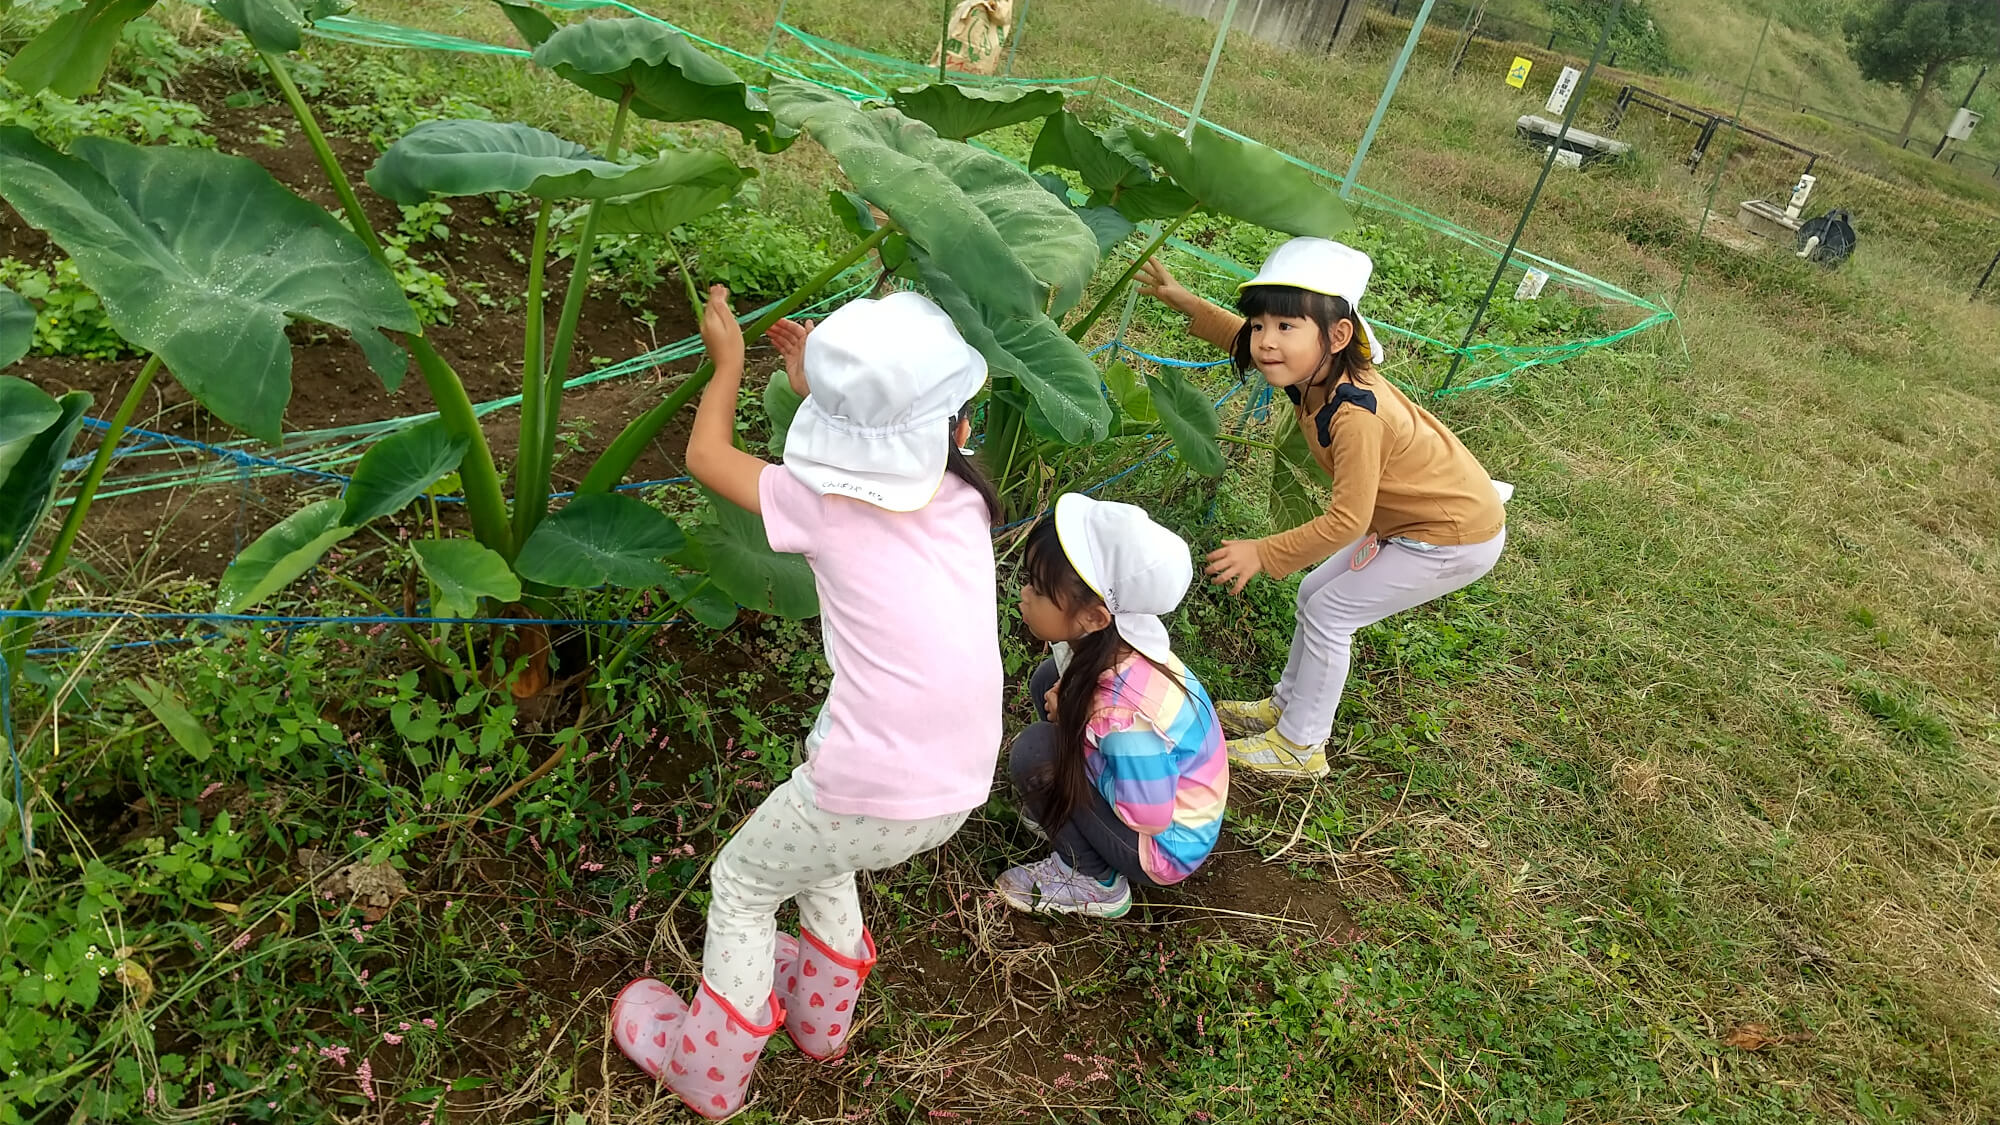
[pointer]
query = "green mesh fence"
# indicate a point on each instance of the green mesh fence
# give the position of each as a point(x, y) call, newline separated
point(863, 74)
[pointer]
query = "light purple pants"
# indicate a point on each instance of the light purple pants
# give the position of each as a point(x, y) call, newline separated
point(1335, 600)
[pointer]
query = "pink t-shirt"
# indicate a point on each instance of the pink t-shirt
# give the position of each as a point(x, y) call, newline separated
point(911, 726)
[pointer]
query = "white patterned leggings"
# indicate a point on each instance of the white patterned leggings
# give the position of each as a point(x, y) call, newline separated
point(792, 848)
point(1335, 600)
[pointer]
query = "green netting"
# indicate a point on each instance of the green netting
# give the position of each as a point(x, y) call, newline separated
point(860, 74)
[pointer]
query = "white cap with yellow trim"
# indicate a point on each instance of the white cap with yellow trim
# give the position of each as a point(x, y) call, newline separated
point(1321, 265)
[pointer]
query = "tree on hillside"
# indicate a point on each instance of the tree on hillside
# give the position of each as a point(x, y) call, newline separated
point(1910, 44)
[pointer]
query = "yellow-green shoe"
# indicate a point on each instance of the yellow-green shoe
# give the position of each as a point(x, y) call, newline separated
point(1251, 716)
point(1274, 755)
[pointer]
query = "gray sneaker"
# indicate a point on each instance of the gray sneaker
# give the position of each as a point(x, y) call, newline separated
point(1054, 887)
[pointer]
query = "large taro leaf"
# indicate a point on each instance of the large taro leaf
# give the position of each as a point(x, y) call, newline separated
point(1033, 350)
point(69, 55)
point(1006, 241)
point(36, 432)
point(279, 556)
point(1296, 478)
point(1104, 221)
point(1129, 392)
point(741, 561)
point(1118, 176)
point(463, 157)
point(399, 468)
point(959, 112)
point(535, 28)
point(25, 411)
point(17, 330)
point(665, 77)
point(1189, 418)
point(203, 258)
point(700, 598)
point(858, 217)
point(277, 25)
point(692, 184)
point(601, 539)
point(1245, 181)
point(781, 405)
point(462, 572)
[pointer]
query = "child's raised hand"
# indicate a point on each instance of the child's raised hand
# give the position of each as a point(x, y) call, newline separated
point(1156, 281)
point(789, 337)
point(1049, 698)
point(1234, 564)
point(720, 333)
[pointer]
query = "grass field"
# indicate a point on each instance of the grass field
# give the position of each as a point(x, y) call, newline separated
point(1690, 812)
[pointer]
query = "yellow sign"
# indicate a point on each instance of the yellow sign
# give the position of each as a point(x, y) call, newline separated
point(1517, 75)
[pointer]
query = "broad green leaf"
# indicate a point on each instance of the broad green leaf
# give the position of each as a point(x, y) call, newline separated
point(1129, 391)
point(25, 411)
point(1245, 181)
point(1189, 418)
point(600, 539)
point(277, 25)
point(462, 572)
point(69, 56)
point(741, 561)
point(17, 333)
point(279, 556)
point(203, 259)
point(535, 28)
point(1104, 221)
point(854, 214)
point(1117, 175)
point(468, 157)
point(781, 403)
point(1032, 349)
point(397, 470)
point(1297, 481)
point(700, 598)
point(28, 487)
point(1008, 243)
point(181, 725)
point(959, 112)
point(708, 180)
point(665, 77)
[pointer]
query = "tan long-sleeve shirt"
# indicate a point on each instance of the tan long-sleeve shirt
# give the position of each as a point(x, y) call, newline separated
point(1396, 469)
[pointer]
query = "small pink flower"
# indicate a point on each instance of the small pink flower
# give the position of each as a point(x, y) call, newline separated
point(210, 791)
point(392, 1039)
point(242, 940)
point(364, 1076)
point(430, 1023)
point(402, 1025)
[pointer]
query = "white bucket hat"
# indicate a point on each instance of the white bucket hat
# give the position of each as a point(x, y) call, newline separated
point(1321, 265)
point(1139, 568)
point(886, 377)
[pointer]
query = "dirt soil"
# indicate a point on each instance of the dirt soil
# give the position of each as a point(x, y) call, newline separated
point(193, 531)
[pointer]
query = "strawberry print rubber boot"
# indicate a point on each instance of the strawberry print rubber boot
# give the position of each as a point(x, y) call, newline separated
point(819, 989)
point(710, 1050)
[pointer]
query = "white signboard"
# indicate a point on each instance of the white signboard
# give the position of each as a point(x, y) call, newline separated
point(1565, 86)
point(1531, 285)
point(1961, 125)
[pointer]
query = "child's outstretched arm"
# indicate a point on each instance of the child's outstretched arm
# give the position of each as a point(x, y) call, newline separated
point(712, 456)
point(1206, 320)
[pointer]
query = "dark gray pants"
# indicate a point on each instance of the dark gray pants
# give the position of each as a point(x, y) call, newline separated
point(1094, 841)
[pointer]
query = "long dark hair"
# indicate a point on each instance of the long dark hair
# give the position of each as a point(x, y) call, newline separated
point(1351, 362)
point(961, 466)
point(1052, 575)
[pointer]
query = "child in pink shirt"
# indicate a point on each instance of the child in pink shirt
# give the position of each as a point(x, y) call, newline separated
point(898, 527)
